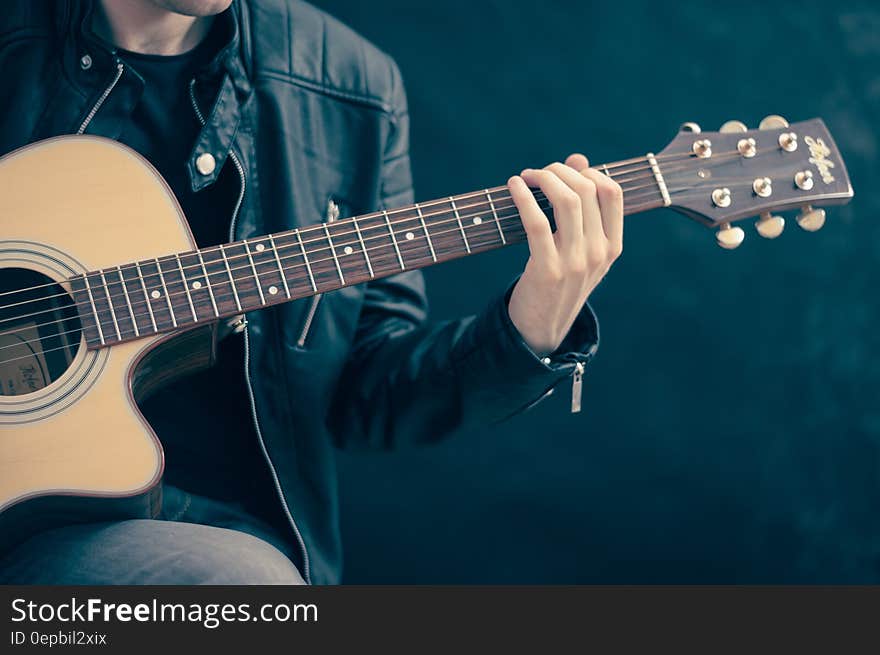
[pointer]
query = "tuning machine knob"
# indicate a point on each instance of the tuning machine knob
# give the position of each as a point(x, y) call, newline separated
point(804, 180)
point(788, 141)
point(729, 237)
point(733, 126)
point(811, 219)
point(772, 122)
point(690, 127)
point(770, 226)
point(702, 148)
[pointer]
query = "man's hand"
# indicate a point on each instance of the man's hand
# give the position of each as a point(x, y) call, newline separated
point(566, 265)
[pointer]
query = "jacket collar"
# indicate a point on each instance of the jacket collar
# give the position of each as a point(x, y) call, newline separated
point(221, 87)
point(73, 18)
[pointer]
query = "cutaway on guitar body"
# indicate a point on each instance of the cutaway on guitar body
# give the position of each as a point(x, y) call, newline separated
point(73, 444)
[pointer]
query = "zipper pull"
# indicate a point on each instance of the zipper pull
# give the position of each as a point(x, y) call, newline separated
point(332, 210)
point(577, 384)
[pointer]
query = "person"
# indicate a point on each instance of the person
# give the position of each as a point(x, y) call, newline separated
point(261, 115)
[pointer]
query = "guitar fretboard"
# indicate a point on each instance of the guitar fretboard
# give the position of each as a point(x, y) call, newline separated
point(181, 290)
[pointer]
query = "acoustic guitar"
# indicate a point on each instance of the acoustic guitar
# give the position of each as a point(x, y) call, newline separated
point(96, 311)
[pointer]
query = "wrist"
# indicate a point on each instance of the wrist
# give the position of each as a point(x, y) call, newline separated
point(533, 334)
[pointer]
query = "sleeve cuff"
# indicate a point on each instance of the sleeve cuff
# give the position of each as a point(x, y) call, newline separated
point(579, 345)
point(504, 372)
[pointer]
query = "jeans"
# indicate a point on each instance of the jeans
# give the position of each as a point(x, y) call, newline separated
point(197, 540)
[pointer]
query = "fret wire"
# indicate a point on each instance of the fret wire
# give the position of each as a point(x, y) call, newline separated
point(137, 332)
point(427, 235)
point(231, 279)
point(333, 252)
point(357, 229)
point(280, 267)
point(110, 305)
point(495, 214)
point(460, 226)
point(208, 284)
point(394, 240)
point(94, 309)
point(254, 269)
point(165, 289)
point(146, 296)
point(185, 283)
point(306, 259)
point(482, 230)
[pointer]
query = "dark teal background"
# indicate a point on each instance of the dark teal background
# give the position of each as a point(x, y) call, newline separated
point(731, 423)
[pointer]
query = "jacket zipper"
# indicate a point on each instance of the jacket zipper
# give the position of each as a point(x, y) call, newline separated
point(88, 119)
point(332, 215)
point(247, 356)
point(577, 386)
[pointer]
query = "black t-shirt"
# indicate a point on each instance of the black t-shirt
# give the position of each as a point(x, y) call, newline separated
point(204, 420)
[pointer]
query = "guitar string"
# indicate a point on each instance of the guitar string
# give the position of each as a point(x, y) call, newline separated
point(438, 201)
point(217, 286)
point(221, 295)
point(499, 196)
point(361, 217)
point(382, 226)
point(161, 329)
point(336, 246)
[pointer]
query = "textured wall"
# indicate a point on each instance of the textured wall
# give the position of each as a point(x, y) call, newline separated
point(731, 423)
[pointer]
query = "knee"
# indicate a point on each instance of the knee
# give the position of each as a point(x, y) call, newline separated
point(144, 552)
point(234, 558)
point(217, 556)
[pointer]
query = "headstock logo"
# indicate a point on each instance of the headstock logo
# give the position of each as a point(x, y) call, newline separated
point(819, 157)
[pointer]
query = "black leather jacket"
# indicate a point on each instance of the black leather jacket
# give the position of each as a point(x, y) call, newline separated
point(306, 111)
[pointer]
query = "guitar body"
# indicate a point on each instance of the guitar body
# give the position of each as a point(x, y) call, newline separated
point(73, 444)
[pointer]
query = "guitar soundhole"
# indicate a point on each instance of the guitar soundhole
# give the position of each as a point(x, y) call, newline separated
point(39, 331)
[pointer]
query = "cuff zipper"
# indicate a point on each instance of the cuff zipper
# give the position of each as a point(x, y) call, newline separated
point(577, 385)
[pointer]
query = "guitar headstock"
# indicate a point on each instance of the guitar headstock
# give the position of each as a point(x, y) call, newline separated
point(722, 177)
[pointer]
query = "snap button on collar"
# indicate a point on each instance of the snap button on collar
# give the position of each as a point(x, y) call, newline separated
point(205, 163)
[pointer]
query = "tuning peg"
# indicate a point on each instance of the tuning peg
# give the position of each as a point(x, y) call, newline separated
point(690, 127)
point(772, 122)
point(770, 226)
point(804, 180)
point(733, 126)
point(811, 219)
point(729, 237)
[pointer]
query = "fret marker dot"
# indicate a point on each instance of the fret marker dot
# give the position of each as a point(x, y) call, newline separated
point(197, 285)
point(273, 290)
point(156, 294)
point(477, 220)
point(260, 247)
point(347, 250)
point(410, 236)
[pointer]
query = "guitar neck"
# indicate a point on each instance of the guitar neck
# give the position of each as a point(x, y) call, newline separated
point(182, 290)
